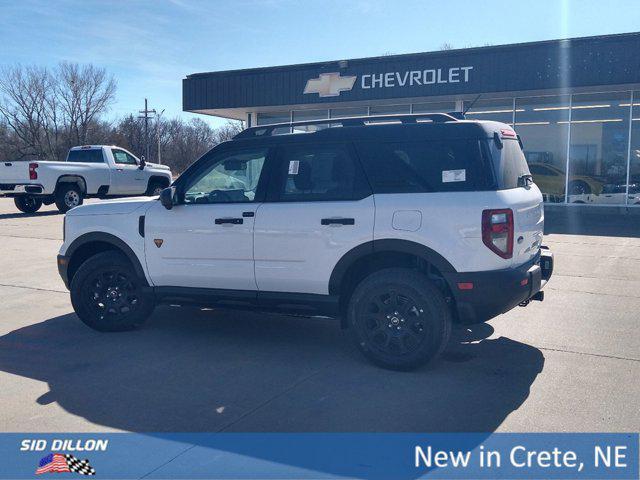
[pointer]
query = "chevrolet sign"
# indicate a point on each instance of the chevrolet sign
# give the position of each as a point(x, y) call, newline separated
point(331, 84)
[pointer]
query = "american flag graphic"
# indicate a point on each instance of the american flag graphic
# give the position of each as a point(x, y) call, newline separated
point(61, 463)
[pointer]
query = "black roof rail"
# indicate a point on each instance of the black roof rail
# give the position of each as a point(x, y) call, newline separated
point(268, 130)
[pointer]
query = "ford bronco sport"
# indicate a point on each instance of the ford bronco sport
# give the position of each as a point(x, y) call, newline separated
point(397, 225)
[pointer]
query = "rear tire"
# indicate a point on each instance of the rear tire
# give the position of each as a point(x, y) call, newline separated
point(108, 296)
point(68, 196)
point(28, 204)
point(398, 319)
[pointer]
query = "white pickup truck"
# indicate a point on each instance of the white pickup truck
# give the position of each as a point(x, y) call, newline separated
point(89, 171)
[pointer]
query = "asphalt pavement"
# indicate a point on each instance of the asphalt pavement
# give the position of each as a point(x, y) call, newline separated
point(570, 363)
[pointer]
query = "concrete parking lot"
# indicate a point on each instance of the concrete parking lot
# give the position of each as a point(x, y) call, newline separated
point(570, 363)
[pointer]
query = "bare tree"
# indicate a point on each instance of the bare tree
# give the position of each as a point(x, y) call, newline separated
point(49, 111)
point(227, 131)
point(28, 107)
point(84, 92)
point(446, 46)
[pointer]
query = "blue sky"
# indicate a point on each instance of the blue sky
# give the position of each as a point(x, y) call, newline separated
point(150, 45)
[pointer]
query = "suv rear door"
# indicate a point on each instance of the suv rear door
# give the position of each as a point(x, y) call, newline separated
point(319, 206)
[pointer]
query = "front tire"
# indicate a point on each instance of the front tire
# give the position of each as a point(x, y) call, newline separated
point(68, 196)
point(155, 188)
point(398, 319)
point(578, 187)
point(28, 204)
point(108, 296)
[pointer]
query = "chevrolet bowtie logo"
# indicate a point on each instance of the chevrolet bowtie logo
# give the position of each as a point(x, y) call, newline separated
point(329, 84)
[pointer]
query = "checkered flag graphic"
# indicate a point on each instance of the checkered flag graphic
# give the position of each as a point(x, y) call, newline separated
point(79, 466)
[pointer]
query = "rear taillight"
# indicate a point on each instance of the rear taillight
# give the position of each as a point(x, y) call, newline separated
point(497, 231)
point(33, 173)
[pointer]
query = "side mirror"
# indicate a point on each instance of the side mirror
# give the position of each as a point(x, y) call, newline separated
point(166, 197)
point(143, 163)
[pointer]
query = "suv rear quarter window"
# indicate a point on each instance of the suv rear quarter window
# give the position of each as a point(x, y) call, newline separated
point(510, 164)
point(453, 165)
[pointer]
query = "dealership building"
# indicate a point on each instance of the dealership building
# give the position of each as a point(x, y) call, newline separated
point(575, 103)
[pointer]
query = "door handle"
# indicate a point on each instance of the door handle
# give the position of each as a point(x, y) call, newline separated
point(232, 221)
point(338, 221)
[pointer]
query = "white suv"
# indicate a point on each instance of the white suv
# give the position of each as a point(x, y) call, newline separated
point(398, 225)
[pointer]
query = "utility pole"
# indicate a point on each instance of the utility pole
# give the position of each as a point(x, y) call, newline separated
point(158, 134)
point(146, 117)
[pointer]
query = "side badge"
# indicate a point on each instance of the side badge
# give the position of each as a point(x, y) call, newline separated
point(158, 242)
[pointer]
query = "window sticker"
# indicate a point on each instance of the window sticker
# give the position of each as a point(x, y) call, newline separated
point(293, 167)
point(449, 176)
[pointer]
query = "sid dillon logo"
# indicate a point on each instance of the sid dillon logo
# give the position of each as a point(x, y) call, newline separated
point(60, 461)
point(64, 463)
point(329, 84)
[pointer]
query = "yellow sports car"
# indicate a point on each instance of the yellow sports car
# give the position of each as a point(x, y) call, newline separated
point(550, 180)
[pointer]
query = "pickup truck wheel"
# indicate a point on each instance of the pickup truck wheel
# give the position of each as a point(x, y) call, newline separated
point(28, 204)
point(155, 189)
point(107, 295)
point(68, 196)
point(399, 319)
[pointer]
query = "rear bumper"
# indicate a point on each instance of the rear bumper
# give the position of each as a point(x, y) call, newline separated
point(15, 189)
point(496, 292)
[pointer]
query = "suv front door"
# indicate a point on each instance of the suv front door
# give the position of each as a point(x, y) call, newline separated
point(319, 206)
point(206, 240)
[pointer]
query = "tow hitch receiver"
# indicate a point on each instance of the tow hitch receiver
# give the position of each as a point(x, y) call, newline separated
point(539, 297)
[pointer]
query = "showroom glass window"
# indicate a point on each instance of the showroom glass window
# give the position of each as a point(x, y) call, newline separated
point(633, 198)
point(433, 107)
point(390, 109)
point(267, 118)
point(349, 112)
point(303, 115)
point(542, 123)
point(307, 115)
point(599, 146)
point(498, 110)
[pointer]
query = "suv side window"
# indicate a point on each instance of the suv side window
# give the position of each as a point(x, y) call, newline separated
point(123, 158)
point(231, 177)
point(320, 172)
point(426, 166)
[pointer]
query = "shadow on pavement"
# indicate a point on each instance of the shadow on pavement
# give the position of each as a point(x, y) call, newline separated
point(190, 370)
point(7, 216)
point(592, 221)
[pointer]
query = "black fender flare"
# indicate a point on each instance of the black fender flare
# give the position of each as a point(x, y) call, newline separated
point(104, 237)
point(385, 245)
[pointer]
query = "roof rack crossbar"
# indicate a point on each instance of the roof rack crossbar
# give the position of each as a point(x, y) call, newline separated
point(268, 130)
